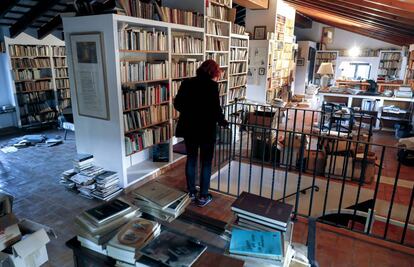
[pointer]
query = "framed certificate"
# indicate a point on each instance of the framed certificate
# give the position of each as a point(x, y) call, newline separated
point(90, 74)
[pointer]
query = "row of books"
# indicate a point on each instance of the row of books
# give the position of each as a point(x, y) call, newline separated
point(59, 51)
point(215, 44)
point(60, 62)
point(217, 28)
point(187, 44)
point(238, 92)
point(143, 71)
point(20, 63)
point(44, 117)
point(389, 64)
point(142, 118)
point(237, 80)
point(217, 12)
point(223, 100)
point(152, 10)
point(31, 74)
point(28, 51)
point(63, 94)
point(237, 54)
point(64, 103)
point(237, 29)
point(61, 73)
point(135, 142)
point(239, 42)
point(36, 108)
point(262, 231)
point(391, 56)
point(33, 86)
point(221, 59)
point(388, 72)
point(326, 55)
point(223, 75)
point(34, 97)
point(62, 83)
point(184, 68)
point(221, 2)
point(238, 67)
point(145, 96)
point(222, 88)
point(181, 17)
point(175, 85)
point(132, 38)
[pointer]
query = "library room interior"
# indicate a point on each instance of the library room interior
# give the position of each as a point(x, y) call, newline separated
point(222, 133)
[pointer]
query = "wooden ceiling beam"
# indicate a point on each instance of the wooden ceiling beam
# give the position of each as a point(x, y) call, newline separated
point(350, 6)
point(355, 26)
point(35, 12)
point(376, 6)
point(354, 15)
point(5, 6)
point(49, 27)
point(402, 5)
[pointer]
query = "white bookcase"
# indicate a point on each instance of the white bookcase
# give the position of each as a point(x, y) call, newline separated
point(48, 43)
point(391, 64)
point(105, 138)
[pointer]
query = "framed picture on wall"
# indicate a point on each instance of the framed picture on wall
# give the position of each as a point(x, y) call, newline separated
point(328, 35)
point(262, 71)
point(259, 32)
point(300, 62)
point(88, 61)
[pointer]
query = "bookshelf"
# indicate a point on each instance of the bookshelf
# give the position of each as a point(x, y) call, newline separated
point(239, 59)
point(217, 34)
point(34, 74)
point(409, 74)
point(141, 107)
point(323, 56)
point(390, 64)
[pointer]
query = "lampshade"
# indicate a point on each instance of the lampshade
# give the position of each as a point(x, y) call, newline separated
point(326, 68)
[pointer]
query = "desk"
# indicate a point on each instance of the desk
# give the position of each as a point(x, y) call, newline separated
point(352, 100)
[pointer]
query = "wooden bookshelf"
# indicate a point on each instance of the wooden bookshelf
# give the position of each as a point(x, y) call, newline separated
point(390, 64)
point(409, 74)
point(36, 99)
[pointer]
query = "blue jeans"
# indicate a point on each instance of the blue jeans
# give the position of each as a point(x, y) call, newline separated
point(206, 159)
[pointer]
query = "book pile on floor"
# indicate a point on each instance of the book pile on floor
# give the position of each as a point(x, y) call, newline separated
point(262, 231)
point(96, 226)
point(89, 180)
point(161, 201)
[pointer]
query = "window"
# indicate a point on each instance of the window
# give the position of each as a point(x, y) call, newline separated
point(357, 71)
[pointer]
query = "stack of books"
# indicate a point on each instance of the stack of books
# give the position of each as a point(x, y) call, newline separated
point(161, 201)
point(260, 218)
point(126, 244)
point(96, 226)
point(107, 186)
point(82, 162)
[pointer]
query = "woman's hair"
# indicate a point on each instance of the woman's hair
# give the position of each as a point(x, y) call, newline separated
point(209, 69)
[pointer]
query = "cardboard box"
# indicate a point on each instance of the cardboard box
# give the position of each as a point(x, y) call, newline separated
point(336, 168)
point(30, 251)
point(361, 147)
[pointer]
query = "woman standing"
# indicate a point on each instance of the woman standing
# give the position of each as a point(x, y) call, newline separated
point(198, 102)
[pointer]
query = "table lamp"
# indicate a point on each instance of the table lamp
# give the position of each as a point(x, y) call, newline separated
point(325, 69)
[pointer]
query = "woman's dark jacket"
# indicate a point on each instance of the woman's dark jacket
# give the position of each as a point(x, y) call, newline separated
point(198, 102)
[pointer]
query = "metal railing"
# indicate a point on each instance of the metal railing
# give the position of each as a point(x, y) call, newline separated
point(318, 161)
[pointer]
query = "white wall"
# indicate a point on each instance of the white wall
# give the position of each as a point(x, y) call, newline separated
point(373, 61)
point(342, 39)
point(265, 17)
point(301, 77)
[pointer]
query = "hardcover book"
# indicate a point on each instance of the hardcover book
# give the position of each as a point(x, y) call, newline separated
point(173, 250)
point(258, 244)
point(263, 208)
point(159, 194)
point(107, 211)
